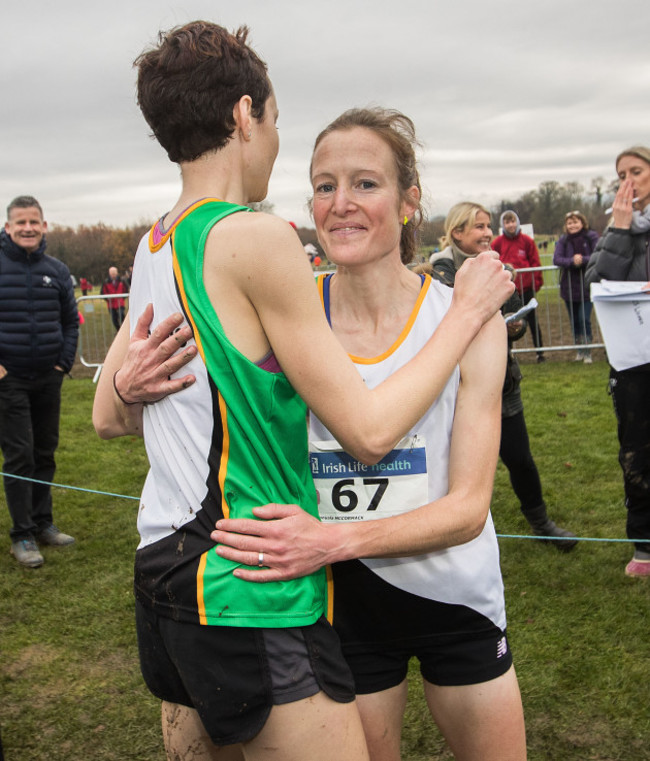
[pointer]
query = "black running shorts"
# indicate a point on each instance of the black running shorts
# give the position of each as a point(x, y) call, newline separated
point(234, 675)
point(382, 627)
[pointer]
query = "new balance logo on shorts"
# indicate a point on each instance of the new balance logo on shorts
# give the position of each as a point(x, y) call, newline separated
point(502, 647)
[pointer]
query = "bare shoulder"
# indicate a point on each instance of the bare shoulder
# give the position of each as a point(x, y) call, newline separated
point(243, 275)
point(258, 252)
point(251, 232)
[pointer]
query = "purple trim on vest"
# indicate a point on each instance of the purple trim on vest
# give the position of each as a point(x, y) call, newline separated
point(158, 233)
point(269, 363)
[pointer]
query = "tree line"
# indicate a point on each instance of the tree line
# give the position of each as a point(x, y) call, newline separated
point(545, 208)
point(90, 250)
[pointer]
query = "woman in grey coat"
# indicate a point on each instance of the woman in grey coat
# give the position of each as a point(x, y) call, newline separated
point(623, 254)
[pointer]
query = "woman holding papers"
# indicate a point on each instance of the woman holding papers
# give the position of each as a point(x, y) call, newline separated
point(623, 253)
point(467, 234)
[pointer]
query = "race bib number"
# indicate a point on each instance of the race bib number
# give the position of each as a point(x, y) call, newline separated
point(348, 490)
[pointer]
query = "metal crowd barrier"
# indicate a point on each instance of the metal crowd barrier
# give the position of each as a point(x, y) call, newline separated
point(96, 332)
point(553, 318)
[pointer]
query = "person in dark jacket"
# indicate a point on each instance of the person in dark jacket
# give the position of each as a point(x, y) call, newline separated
point(572, 254)
point(468, 233)
point(623, 253)
point(39, 327)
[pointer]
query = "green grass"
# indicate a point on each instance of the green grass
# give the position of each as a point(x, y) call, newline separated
point(69, 677)
point(575, 621)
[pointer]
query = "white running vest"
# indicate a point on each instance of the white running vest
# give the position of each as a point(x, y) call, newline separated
point(415, 473)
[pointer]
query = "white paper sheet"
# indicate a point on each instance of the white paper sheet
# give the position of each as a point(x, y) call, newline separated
point(532, 304)
point(623, 310)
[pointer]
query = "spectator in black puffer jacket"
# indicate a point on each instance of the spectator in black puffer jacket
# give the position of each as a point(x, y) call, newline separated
point(623, 253)
point(39, 327)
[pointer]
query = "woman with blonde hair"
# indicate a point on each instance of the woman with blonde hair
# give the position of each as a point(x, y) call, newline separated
point(414, 555)
point(468, 233)
point(623, 253)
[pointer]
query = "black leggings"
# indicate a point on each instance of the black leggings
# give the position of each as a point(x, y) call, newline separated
point(517, 457)
point(531, 319)
point(630, 391)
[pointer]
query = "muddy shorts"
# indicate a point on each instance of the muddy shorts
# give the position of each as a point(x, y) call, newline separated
point(233, 676)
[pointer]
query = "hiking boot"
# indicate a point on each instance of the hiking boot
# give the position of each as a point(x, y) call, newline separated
point(561, 538)
point(638, 568)
point(53, 537)
point(547, 531)
point(26, 553)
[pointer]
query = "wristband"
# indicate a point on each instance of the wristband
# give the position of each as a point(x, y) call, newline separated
point(119, 396)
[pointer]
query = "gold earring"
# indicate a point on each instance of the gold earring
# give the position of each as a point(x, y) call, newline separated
point(406, 221)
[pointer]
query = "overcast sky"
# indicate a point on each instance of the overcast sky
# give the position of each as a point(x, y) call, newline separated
point(504, 95)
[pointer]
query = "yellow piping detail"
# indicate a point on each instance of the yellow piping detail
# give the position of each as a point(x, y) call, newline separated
point(402, 336)
point(153, 247)
point(330, 594)
point(225, 451)
point(203, 619)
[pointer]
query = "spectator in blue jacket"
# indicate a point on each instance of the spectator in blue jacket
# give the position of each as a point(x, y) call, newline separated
point(39, 327)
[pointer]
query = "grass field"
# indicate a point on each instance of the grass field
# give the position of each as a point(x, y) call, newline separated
point(69, 677)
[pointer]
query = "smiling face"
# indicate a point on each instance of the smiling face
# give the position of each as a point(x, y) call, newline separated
point(510, 226)
point(473, 239)
point(357, 207)
point(26, 227)
point(573, 225)
point(637, 171)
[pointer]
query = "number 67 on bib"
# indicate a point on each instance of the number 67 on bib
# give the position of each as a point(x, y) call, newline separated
point(348, 490)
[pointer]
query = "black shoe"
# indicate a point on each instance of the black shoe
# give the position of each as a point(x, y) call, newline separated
point(560, 538)
point(541, 358)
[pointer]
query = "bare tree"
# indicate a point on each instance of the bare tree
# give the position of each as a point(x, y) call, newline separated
point(597, 188)
point(265, 206)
